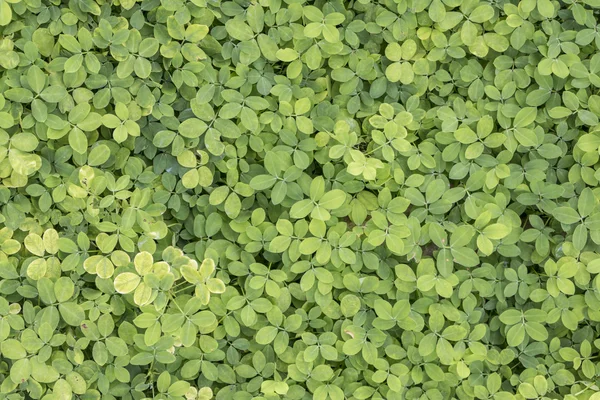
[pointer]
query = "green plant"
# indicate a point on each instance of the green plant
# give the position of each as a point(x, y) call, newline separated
point(299, 200)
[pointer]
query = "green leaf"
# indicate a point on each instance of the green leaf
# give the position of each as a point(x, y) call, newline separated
point(126, 282)
point(302, 208)
point(496, 231)
point(536, 331)
point(525, 117)
point(332, 199)
point(287, 55)
point(64, 289)
point(13, 349)
point(566, 215)
point(546, 8)
point(465, 256)
point(36, 78)
point(98, 155)
point(515, 335)
point(262, 182)
point(239, 30)
point(54, 94)
point(482, 13)
point(266, 335)
point(511, 317)
point(78, 141)
point(5, 13)
point(71, 313)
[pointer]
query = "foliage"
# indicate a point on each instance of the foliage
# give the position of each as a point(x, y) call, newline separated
point(269, 199)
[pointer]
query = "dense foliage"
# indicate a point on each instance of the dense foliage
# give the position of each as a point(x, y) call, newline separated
point(280, 199)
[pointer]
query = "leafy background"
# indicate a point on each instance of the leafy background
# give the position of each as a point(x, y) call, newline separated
point(299, 200)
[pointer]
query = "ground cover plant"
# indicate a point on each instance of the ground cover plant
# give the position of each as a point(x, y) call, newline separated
point(281, 199)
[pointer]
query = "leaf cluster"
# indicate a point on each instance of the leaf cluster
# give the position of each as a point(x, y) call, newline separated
point(330, 200)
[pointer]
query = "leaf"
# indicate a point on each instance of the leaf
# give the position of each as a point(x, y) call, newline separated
point(126, 282)
point(546, 8)
point(116, 346)
point(262, 182)
point(37, 269)
point(482, 14)
point(13, 349)
point(437, 11)
point(287, 55)
point(53, 93)
point(98, 155)
point(333, 199)
point(239, 30)
point(20, 95)
point(5, 13)
point(35, 78)
point(20, 370)
point(105, 268)
point(78, 141)
point(566, 215)
point(515, 335)
point(527, 390)
point(204, 319)
point(148, 47)
point(461, 236)
point(536, 331)
point(266, 335)
point(465, 256)
point(496, 231)
point(511, 317)
point(526, 137)
point(302, 208)
point(586, 203)
point(71, 313)
point(525, 117)
point(64, 289)
point(192, 128)
point(34, 244)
